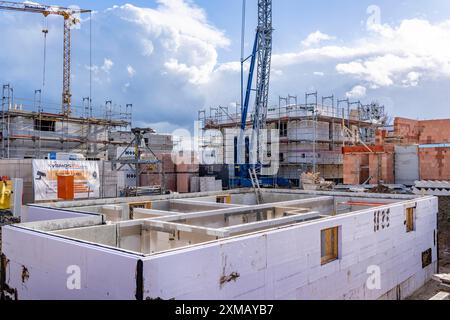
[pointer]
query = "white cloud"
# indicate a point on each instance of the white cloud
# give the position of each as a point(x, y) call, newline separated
point(189, 41)
point(174, 49)
point(412, 79)
point(147, 47)
point(131, 72)
point(357, 92)
point(107, 65)
point(315, 38)
point(400, 55)
point(125, 87)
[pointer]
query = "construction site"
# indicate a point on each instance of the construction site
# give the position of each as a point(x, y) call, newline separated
point(358, 207)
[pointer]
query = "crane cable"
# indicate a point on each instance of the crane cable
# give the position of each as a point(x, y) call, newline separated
point(45, 32)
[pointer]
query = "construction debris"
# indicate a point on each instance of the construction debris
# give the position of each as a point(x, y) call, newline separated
point(441, 296)
point(381, 189)
point(444, 280)
point(434, 188)
point(313, 181)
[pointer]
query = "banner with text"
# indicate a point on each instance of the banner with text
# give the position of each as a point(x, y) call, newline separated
point(45, 178)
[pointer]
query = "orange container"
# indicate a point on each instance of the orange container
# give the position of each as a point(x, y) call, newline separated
point(66, 188)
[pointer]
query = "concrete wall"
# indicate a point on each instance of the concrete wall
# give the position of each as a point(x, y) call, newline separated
point(286, 264)
point(36, 213)
point(37, 268)
point(407, 169)
point(20, 169)
point(276, 264)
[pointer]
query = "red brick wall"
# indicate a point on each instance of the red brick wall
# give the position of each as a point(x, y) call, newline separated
point(352, 165)
point(435, 164)
point(434, 131)
point(407, 129)
point(422, 132)
point(381, 168)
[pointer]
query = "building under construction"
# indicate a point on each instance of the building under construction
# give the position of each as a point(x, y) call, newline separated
point(28, 130)
point(311, 134)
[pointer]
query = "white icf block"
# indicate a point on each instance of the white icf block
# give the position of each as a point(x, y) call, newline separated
point(273, 264)
point(40, 267)
point(293, 266)
point(17, 197)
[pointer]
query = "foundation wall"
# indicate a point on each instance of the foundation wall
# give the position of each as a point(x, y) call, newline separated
point(286, 264)
point(33, 214)
point(275, 264)
point(39, 267)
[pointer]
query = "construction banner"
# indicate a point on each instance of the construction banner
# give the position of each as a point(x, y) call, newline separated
point(45, 178)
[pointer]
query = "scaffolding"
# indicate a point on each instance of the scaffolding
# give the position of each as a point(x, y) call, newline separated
point(32, 128)
point(312, 134)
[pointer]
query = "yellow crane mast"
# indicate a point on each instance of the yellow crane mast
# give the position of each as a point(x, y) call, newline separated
point(70, 16)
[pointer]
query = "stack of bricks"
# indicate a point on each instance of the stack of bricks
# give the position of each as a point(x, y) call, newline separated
point(152, 177)
point(186, 169)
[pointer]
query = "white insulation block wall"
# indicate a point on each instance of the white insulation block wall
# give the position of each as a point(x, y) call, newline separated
point(276, 264)
point(286, 264)
point(43, 267)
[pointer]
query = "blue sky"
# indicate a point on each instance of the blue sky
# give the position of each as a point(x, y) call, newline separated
point(171, 58)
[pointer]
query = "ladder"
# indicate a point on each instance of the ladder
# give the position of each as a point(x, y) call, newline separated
point(255, 184)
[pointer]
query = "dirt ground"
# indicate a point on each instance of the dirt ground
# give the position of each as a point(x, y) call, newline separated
point(432, 287)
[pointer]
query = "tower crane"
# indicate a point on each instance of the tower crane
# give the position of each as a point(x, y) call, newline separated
point(260, 58)
point(70, 16)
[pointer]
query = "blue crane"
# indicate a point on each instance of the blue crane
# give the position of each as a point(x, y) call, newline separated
point(261, 58)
